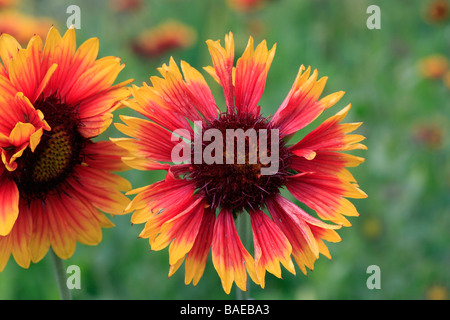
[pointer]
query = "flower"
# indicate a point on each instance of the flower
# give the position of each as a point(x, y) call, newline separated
point(246, 5)
point(429, 134)
point(195, 208)
point(437, 11)
point(126, 5)
point(446, 79)
point(167, 36)
point(55, 181)
point(8, 3)
point(22, 27)
point(437, 292)
point(433, 66)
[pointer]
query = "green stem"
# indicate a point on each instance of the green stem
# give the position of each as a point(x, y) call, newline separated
point(61, 279)
point(243, 229)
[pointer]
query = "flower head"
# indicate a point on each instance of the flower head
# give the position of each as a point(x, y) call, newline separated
point(54, 179)
point(234, 162)
point(166, 37)
point(433, 66)
point(246, 5)
point(8, 3)
point(437, 11)
point(126, 5)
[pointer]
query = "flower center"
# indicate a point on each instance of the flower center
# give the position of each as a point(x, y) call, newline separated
point(43, 171)
point(245, 164)
point(55, 158)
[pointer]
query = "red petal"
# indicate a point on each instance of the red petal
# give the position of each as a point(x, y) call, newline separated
point(271, 247)
point(229, 256)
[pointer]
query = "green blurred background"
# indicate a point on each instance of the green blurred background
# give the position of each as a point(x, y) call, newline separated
point(404, 224)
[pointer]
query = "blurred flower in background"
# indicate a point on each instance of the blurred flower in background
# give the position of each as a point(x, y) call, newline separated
point(372, 227)
point(437, 292)
point(437, 11)
point(126, 5)
point(8, 3)
point(429, 135)
point(22, 26)
point(433, 66)
point(166, 37)
point(247, 5)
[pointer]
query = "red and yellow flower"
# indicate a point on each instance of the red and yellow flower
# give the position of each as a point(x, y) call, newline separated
point(195, 208)
point(55, 181)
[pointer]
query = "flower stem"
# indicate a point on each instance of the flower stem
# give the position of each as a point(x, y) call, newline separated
point(61, 279)
point(243, 228)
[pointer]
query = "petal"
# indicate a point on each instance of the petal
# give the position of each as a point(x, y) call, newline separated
point(26, 72)
point(198, 255)
point(95, 112)
point(161, 195)
point(21, 236)
point(17, 110)
point(151, 105)
point(328, 163)
point(251, 74)
point(271, 247)
point(180, 231)
point(7, 89)
point(175, 94)
point(9, 204)
point(200, 93)
point(5, 251)
point(21, 133)
point(99, 189)
point(97, 78)
point(105, 155)
point(144, 164)
point(230, 258)
point(80, 218)
point(332, 136)
point(326, 195)
point(223, 60)
point(41, 238)
point(304, 232)
point(152, 141)
point(62, 237)
point(9, 48)
point(301, 106)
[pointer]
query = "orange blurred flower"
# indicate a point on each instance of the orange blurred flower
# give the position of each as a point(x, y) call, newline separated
point(446, 79)
point(246, 5)
point(434, 66)
point(168, 36)
point(437, 292)
point(23, 27)
point(437, 11)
